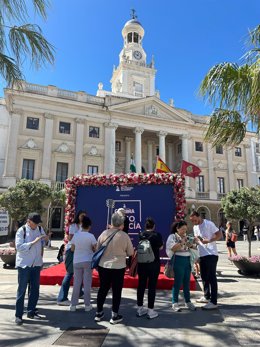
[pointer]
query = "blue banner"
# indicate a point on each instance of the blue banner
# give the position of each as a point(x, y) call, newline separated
point(139, 201)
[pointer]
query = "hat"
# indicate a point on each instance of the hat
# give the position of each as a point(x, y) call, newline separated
point(35, 217)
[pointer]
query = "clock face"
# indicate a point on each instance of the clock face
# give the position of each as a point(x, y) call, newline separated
point(137, 55)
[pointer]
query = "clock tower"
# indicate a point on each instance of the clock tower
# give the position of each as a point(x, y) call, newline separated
point(133, 77)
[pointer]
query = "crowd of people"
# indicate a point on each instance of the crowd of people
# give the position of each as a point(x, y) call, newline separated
point(81, 245)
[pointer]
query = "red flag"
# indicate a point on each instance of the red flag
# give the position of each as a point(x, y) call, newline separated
point(161, 167)
point(188, 169)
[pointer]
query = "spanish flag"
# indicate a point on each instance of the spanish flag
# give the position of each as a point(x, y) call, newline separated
point(161, 167)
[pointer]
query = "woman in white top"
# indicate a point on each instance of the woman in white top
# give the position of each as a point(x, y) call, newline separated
point(83, 245)
point(178, 246)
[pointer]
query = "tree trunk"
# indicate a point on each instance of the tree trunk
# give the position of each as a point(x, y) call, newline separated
point(249, 238)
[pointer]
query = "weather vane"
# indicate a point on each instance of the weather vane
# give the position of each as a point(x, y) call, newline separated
point(134, 16)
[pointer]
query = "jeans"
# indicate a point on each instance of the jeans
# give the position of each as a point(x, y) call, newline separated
point(25, 275)
point(147, 272)
point(108, 278)
point(182, 270)
point(208, 267)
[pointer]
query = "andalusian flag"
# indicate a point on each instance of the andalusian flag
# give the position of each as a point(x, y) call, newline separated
point(132, 165)
point(161, 167)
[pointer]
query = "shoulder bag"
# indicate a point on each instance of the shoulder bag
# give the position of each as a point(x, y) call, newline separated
point(99, 253)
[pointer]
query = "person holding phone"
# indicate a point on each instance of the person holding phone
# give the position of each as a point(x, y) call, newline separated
point(206, 234)
point(29, 260)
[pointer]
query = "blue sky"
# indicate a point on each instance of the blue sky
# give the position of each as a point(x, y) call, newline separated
point(186, 37)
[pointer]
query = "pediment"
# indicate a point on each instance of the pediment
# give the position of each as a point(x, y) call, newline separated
point(63, 148)
point(152, 108)
point(30, 144)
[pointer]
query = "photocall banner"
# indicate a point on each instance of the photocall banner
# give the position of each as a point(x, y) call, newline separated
point(139, 201)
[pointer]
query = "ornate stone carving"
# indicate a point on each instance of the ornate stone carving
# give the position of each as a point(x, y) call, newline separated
point(111, 125)
point(138, 130)
point(30, 144)
point(48, 115)
point(63, 148)
point(93, 151)
point(79, 120)
point(162, 133)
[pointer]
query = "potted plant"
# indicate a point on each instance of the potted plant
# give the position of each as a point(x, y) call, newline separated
point(8, 255)
point(244, 204)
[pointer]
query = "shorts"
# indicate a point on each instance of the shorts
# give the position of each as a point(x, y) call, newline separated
point(231, 244)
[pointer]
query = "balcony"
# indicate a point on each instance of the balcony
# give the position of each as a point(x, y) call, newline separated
point(57, 185)
point(202, 195)
point(221, 195)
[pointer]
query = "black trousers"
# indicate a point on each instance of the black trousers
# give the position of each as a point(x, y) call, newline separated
point(208, 268)
point(110, 278)
point(147, 272)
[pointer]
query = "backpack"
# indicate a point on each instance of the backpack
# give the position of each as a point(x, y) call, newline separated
point(145, 252)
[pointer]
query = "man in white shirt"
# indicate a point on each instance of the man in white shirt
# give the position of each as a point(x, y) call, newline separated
point(206, 234)
point(29, 241)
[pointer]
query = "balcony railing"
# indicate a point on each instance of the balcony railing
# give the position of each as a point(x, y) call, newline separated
point(221, 195)
point(57, 185)
point(202, 195)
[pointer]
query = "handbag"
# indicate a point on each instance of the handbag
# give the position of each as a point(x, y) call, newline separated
point(99, 253)
point(168, 269)
point(234, 237)
point(133, 265)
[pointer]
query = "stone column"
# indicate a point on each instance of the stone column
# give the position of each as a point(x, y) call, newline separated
point(79, 147)
point(249, 164)
point(186, 152)
point(110, 144)
point(170, 155)
point(230, 169)
point(162, 135)
point(138, 149)
point(211, 174)
point(150, 156)
point(46, 157)
point(128, 141)
point(11, 150)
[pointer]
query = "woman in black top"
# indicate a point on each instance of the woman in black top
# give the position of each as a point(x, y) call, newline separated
point(149, 271)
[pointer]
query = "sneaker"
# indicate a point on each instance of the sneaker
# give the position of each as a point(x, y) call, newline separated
point(202, 300)
point(209, 306)
point(152, 314)
point(33, 316)
point(64, 303)
point(141, 311)
point(190, 306)
point(99, 316)
point(72, 308)
point(176, 307)
point(117, 319)
point(18, 321)
point(88, 308)
point(81, 296)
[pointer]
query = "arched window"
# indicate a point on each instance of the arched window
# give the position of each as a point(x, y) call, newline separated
point(129, 37)
point(136, 37)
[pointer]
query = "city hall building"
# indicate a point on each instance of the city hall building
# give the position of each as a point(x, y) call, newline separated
point(49, 134)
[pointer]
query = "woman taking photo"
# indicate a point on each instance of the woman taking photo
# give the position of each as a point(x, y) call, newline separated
point(178, 247)
point(149, 271)
point(230, 239)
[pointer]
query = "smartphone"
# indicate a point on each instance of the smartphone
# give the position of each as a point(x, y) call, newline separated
point(200, 238)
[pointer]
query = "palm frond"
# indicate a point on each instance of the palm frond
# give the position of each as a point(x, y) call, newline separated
point(225, 128)
point(28, 40)
point(10, 71)
point(41, 6)
point(18, 9)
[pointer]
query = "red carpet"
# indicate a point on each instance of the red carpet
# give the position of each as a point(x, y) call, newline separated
point(54, 275)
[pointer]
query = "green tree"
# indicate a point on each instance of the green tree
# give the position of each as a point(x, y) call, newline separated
point(234, 91)
point(27, 196)
point(243, 204)
point(20, 40)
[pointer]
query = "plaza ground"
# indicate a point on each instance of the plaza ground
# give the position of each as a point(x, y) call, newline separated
point(235, 323)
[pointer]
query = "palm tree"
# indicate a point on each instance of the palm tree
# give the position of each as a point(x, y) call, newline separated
point(234, 90)
point(19, 40)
